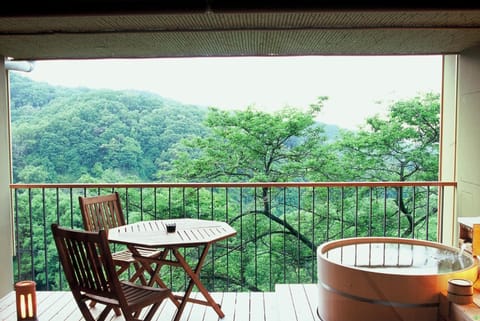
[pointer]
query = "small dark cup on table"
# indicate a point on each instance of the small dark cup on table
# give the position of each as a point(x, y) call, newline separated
point(171, 227)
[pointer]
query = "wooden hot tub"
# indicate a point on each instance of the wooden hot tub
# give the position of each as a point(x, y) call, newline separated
point(381, 278)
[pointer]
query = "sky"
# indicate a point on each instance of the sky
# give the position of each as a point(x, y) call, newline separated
point(357, 86)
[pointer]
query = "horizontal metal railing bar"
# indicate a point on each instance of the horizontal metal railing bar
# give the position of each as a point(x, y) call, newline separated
point(247, 184)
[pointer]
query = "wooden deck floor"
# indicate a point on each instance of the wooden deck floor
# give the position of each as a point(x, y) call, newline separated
point(288, 303)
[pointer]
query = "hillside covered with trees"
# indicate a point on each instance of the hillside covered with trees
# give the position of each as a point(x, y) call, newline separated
point(85, 135)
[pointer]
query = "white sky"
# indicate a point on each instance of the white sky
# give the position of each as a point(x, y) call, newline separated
point(354, 85)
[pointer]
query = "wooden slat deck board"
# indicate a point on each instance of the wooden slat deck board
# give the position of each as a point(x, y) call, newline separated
point(7, 307)
point(271, 308)
point(289, 302)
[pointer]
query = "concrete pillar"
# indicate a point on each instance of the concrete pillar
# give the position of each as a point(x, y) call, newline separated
point(448, 144)
point(6, 226)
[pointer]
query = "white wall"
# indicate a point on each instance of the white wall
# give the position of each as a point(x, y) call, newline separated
point(6, 238)
point(468, 133)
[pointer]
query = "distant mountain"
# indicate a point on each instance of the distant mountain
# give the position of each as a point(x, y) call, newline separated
point(332, 131)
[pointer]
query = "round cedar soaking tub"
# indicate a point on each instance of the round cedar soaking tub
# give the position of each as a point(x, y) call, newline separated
point(382, 278)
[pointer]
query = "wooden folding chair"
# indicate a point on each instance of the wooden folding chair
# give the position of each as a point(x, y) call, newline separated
point(90, 271)
point(105, 212)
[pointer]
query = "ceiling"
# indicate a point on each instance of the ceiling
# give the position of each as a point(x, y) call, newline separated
point(79, 29)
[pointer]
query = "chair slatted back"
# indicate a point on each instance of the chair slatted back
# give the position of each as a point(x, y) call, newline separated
point(87, 262)
point(101, 212)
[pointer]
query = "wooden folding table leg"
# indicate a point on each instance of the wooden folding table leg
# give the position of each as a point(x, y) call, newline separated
point(195, 280)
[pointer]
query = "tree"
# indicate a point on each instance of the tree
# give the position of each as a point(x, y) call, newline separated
point(256, 146)
point(251, 146)
point(403, 146)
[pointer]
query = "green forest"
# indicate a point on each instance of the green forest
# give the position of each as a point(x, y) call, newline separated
point(80, 135)
point(65, 135)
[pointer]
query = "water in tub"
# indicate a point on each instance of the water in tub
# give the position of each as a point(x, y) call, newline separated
point(398, 258)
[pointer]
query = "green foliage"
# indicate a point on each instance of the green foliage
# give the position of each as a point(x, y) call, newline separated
point(250, 145)
point(288, 145)
point(82, 135)
point(403, 146)
point(64, 140)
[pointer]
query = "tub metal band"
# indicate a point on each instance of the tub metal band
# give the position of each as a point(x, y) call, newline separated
point(380, 302)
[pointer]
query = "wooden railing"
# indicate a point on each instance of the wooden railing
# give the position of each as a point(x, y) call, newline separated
point(279, 225)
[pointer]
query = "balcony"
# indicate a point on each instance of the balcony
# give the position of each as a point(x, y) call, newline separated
point(279, 227)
